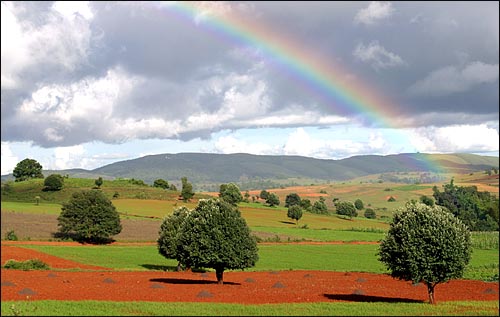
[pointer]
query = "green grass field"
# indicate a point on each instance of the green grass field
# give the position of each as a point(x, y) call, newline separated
point(104, 308)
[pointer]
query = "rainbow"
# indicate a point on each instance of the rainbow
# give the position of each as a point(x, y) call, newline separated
point(325, 78)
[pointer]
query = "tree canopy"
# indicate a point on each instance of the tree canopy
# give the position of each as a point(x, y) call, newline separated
point(27, 169)
point(215, 235)
point(426, 244)
point(89, 216)
point(478, 210)
point(187, 189)
point(53, 182)
point(169, 233)
point(161, 183)
point(295, 212)
point(292, 199)
point(346, 208)
point(230, 193)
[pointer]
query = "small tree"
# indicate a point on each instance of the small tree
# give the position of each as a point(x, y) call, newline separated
point(295, 212)
point(306, 204)
point(89, 216)
point(358, 203)
point(161, 183)
point(427, 200)
point(247, 196)
point(98, 182)
point(27, 169)
point(391, 199)
point(53, 182)
point(426, 244)
point(292, 200)
point(215, 235)
point(263, 194)
point(187, 189)
point(230, 193)
point(272, 200)
point(370, 213)
point(346, 208)
point(169, 233)
point(319, 206)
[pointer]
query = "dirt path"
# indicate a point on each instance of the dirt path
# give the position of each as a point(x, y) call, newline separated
point(239, 287)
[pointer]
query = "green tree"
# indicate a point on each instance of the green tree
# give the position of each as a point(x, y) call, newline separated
point(346, 208)
point(370, 213)
point(27, 169)
point(358, 203)
point(263, 194)
point(478, 210)
point(319, 207)
point(98, 182)
point(272, 200)
point(89, 216)
point(292, 200)
point(53, 182)
point(173, 187)
point(169, 233)
point(247, 196)
point(161, 183)
point(230, 193)
point(427, 200)
point(391, 199)
point(295, 212)
point(187, 189)
point(426, 244)
point(216, 236)
point(306, 204)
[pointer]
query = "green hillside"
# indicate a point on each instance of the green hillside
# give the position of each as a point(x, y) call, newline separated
point(206, 171)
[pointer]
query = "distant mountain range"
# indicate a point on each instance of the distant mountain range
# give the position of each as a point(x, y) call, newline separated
point(205, 168)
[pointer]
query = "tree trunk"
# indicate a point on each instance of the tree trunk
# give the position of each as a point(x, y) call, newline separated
point(430, 290)
point(219, 274)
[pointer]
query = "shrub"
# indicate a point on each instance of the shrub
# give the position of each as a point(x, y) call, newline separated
point(370, 213)
point(33, 264)
point(11, 236)
point(391, 199)
point(347, 209)
point(358, 203)
point(53, 182)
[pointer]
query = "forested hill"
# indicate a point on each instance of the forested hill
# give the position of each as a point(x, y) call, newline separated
point(223, 168)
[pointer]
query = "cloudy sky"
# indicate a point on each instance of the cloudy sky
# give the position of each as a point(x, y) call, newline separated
point(85, 84)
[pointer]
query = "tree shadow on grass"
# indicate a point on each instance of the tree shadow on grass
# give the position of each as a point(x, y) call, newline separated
point(155, 267)
point(288, 222)
point(187, 281)
point(367, 298)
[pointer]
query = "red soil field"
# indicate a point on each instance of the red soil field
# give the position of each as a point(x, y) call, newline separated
point(94, 283)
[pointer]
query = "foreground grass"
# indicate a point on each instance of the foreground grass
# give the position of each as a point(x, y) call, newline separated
point(106, 308)
point(343, 258)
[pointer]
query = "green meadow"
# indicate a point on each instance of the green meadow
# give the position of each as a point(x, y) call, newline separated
point(271, 224)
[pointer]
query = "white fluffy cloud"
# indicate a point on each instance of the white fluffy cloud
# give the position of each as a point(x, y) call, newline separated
point(453, 79)
point(377, 56)
point(230, 144)
point(61, 42)
point(9, 160)
point(375, 12)
point(455, 139)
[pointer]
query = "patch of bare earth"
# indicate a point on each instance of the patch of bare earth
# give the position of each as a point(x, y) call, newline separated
point(239, 287)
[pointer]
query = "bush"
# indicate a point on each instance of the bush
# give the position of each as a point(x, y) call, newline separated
point(391, 199)
point(370, 213)
point(53, 182)
point(347, 209)
point(89, 216)
point(33, 264)
point(11, 236)
point(358, 203)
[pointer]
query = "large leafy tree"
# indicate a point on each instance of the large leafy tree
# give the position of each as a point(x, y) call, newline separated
point(161, 183)
point(89, 216)
point(292, 199)
point(169, 233)
point(478, 210)
point(319, 206)
point(27, 169)
point(216, 236)
point(187, 189)
point(230, 193)
point(426, 244)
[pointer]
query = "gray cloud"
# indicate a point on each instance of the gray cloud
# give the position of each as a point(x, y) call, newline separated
point(142, 70)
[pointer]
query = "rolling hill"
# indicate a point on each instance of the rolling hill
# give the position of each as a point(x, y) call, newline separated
point(207, 168)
